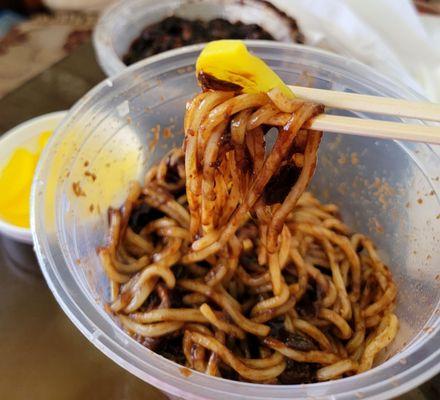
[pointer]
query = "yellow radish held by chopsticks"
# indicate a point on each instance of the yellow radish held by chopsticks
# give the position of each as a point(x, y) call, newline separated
point(229, 61)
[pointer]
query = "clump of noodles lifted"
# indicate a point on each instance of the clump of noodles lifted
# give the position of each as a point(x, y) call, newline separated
point(224, 264)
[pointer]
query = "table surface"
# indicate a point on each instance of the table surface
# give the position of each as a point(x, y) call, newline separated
point(43, 355)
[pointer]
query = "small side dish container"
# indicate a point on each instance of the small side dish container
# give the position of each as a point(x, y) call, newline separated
point(25, 136)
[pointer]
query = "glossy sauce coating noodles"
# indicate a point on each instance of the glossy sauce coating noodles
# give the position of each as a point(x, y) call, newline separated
point(221, 260)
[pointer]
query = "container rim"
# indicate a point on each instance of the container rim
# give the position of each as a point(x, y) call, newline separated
point(163, 373)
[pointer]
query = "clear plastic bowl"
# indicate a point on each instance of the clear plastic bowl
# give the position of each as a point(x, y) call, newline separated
point(123, 22)
point(386, 189)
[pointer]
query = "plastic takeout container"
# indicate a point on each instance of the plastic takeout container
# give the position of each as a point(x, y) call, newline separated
point(24, 135)
point(386, 189)
point(123, 22)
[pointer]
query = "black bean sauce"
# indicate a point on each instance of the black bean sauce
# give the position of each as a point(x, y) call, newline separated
point(174, 32)
point(142, 215)
point(280, 184)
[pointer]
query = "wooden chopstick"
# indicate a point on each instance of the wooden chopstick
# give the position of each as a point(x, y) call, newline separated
point(373, 104)
point(375, 128)
point(367, 103)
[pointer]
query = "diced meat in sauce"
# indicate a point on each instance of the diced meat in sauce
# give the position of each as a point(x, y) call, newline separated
point(294, 340)
point(296, 373)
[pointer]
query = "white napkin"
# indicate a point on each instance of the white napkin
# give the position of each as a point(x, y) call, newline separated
point(388, 35)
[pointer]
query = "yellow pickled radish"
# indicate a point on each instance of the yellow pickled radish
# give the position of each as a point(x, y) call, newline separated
point(15, 177)
point(42, 140)
point(16, 181)
point(230, 61)
point(18, 213)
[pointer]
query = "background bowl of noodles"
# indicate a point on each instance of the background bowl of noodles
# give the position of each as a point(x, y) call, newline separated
point(385, 189)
